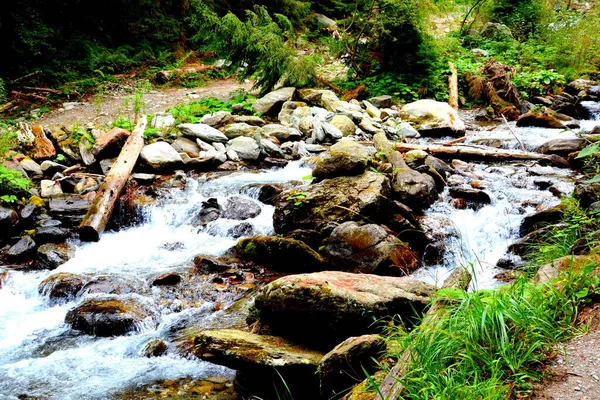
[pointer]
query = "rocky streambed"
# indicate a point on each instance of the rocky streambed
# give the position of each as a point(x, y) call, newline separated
point(282, 263)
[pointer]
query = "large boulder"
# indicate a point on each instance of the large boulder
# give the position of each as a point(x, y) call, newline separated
point(160, 155)
point(62, 287)
point(271, 102)
point(203, 132)
point(347, 363)
point(325, 98)
point(346, 157)
point(246, 148)
point(187, 146)
point(267, 365)
point(562, 147)
point(341, 199)
point(22, 249)
point(280, 254)
point(240, 208)
point(547, 118)
point(52, 255)
point(587, 193)
point(413, 188)
point(368, 249)
point(344, 124)
point(110, 316)
point(42, 147)
point(282, 133)
point(433, 118)
point(324, 308)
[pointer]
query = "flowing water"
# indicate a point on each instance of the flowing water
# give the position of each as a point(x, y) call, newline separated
point(42, 358)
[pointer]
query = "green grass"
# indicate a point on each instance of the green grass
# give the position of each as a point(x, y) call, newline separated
point(491, 344)
point(192, 112)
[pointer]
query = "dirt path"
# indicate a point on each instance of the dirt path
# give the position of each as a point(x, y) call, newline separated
point(102, 110)
point(577, 368)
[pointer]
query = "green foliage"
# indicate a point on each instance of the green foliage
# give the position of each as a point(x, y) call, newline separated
point(521, 16)
point(12, 184)
point(2, 91)
point(298, 198)
point(123, 123)
point(8, 139)
point(192, 112)
point(391, 84)
point(78, 134)
point(489, 344)
point(257, 45)
point(538, 83)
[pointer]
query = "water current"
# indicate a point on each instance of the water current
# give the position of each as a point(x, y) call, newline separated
point(42, 358)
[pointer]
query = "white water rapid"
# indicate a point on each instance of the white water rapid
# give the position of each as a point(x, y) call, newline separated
point(42, 358)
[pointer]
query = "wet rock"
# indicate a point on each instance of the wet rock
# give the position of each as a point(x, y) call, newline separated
point(85, 152)
point(262, 361)
point(413, 188)
point(545, 217)
point(338, 199)
point(282, 133)
point(511, 262)
point(29, 211)
point(170, 278)
point(210, 264)
point(108, 285)
point(154, 348)
point(62, 287)
point(106, 165)
point(160, 155)
point(50, 188)
point(143, 178)
point(109, 144)
point(220, 118)
point(527, 243)
point(345, 158)
point(475, 198)
point(203, 132)
point(280, 254)
point(347, 364)
point(547, 118)
point(344, 124)
point(233, 131)
point(241, 230)
point(587, 193)
point(49, 234)
point(8, 220)
point(240, 208)
point(325, 308)
point(109, 316)
point(22, 249)
point(562, 147)
point(433, 118)
point(267, 193)
point(52, 255)
point(368, 249)
point(86, 185)
point(210, 211)
point(187, 146)
point(578, 85)
point(245, 148)
point(271, 103)
point(244, 350)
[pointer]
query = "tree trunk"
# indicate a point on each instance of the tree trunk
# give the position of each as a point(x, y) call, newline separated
point(453, 86)
point(392, 388)
point(100, 210)
point(473, 153)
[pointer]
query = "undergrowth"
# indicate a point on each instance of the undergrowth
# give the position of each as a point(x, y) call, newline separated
point(194, 111)
point(491, 344)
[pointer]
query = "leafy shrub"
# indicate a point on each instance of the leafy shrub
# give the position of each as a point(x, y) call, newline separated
point(539, 82)
point(2, 91)
point(12, 184)
point(194, 111)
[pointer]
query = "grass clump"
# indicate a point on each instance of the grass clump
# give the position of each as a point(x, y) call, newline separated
point(192, 112)
point(490, 344)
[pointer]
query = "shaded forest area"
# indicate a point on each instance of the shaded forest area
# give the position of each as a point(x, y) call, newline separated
point(400, 47)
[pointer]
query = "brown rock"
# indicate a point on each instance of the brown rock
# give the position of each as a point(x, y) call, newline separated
point(109, 144)
point(42, 146)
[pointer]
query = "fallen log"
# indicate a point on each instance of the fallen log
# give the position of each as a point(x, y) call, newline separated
point(453, 86)
point(392, 387)
point(100, 210)
point(469, 153)
point(28, 96)
point(6, 106)
point(39, 89)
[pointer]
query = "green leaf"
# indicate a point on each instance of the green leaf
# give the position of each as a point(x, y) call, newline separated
point(582, 293)
point(595, 179)
point(589, 151)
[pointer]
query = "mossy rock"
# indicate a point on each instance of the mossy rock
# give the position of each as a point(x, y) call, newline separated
point(279, 253)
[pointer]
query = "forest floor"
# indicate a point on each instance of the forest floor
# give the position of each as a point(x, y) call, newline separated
point(118, 102)
point(576, 369)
